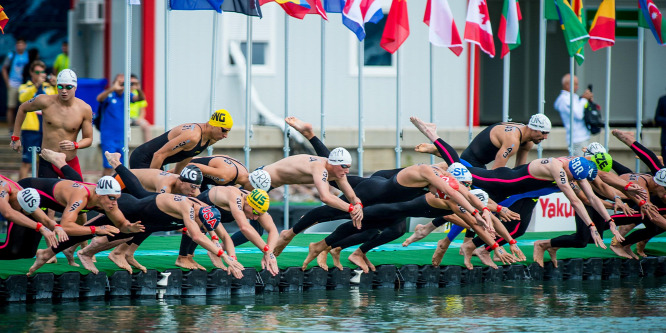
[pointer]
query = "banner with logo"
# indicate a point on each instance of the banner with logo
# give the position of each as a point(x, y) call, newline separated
point(553, 213)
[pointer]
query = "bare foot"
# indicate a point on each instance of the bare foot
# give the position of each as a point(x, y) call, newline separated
point(119, 260)
point(196, 264)
point(625, 136)
point(301, 126)
point(130, 260)
point(619, 250)
point(426, 148)
point(285, 238)
point(357, 258)
point(313, 251)
point(112, 158)
point(540, 247)
point(640, 248)
point(69, 254)
point(335, 254)
point(184, 262)
point(467, 251)
point(631, 253)
point(428, 129)
point(53, 260)
point(420, 231)
point(321, 259)
point(43, 256)
point(552, 252)
point(87, 262)
point(55, 158)
point(371, 266)
point(465, 241)
point(442, 246)
point(485, 257)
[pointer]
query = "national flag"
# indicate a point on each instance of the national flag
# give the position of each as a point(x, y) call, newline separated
point(3, 19)
point(357, 13)
point(298, 9)
point(602, 31)
point(651, 18)
point(443, 30)
point(197, 5)
point(334, 6)
point(477, 27)
point(396, 29)
point(509, 31)
point(574, 31)
point(247, 7)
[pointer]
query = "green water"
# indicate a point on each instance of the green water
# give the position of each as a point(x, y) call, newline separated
point(525, 306)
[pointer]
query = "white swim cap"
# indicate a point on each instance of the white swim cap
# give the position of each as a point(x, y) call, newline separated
point(260, 179)
point(594, 148)
point(67, 76)
point(481, 194)
point(660, 177)
point(107, 185)
point(539, 122)
point(29, 200)
point(339, 156)
point(460, 172)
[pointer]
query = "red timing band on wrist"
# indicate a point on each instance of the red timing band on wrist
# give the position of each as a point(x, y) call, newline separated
point(219, 253)
point(627, 186)
point(494, 246)
point(351, 208)
point(640, 204)
point(76, 145)
point(58, 225)
point(360, 204)
point(486, 208)
point(499, 208)
point(475, 212)
point(266, 248)
point(184, 231)
point(591, 225)
point(92, 229)
point(15, 138)
point(513, 241)
point(39, 226)
point(610, 220)
point(214, 237)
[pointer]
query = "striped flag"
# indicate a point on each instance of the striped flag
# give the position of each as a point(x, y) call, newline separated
point(443, 30)
point(357, 13)
point(602, 31)
point(509, 31)
point(652, 19)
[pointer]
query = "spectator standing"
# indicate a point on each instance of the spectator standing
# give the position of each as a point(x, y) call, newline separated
point(138, 108)
point(660, 119)
point(31, 129)
point(62, 60)
point(33, 54)
point(12, 74)
point(112, 122)
point(580, 133)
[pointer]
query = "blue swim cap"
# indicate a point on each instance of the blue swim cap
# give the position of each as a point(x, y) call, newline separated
point(210, 217)
point(581, 168)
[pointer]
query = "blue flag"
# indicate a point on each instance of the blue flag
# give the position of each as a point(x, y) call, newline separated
point(334, 6)
point(197, 5)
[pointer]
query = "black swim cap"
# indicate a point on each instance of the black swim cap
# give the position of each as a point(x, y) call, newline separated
point(191, 174)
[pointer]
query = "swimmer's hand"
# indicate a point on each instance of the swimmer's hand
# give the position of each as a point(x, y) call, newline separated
point(67, 145)
point(269, 263)
point(598, 241)
point(505, 257)
point(49, 236)
point(235, 267)
point(62, 235)
point(637, 191)
point(108, 230)
point(132, 228)
point(16, 145)
point(507, 215)
point(615, 232)
point(357, 216)
point(623, 207)
point(517, 252)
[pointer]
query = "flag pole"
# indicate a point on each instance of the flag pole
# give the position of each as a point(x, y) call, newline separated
point(398, 150)
point(213, 72)
point(542, 64)
point(361, 46)
point(285, 135)
point(166, 67)
point(571, 104)
point(470, 110)
point(639, 98)
point(127, 92)
point(608, 93)
point(507, 79)
point(248, 89)
point(432, 113)
point(322, 84)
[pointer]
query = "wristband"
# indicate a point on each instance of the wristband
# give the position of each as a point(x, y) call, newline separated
point(513, 242)
point(626, 187)
point(184, 231)
point(15, 138)
point(39, 226)
point(486, 208)
point(499, 208)
point(92, 229)
point(610, 220)
point(214, 237)
point(360, 204)
point(76, 145)
point(591, 225)
point(494, 246)
point(220, 252)
point(617, 197)
point(640, 204)
point(475, 212)
point(58, 225)
point(351, 208)
point(266, 248)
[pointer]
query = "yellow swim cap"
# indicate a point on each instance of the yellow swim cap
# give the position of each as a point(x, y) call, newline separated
point(221, 118)
point(258, 200)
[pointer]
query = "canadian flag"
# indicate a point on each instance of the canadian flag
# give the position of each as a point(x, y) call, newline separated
point(477, 27)
point(443, 30)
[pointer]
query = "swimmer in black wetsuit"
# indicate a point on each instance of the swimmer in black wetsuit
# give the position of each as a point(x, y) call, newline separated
point(181, 143)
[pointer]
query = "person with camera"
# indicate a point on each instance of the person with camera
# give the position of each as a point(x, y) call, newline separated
point(580, 134)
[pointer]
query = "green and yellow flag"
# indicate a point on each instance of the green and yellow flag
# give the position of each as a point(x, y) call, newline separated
point(575, 34)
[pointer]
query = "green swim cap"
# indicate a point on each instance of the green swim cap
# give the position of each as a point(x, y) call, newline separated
point(603, 161)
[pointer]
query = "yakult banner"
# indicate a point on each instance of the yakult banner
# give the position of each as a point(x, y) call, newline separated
point(553, 213)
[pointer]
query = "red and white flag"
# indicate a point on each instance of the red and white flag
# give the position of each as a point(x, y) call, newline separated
point(443, 30)
point(477, 27)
